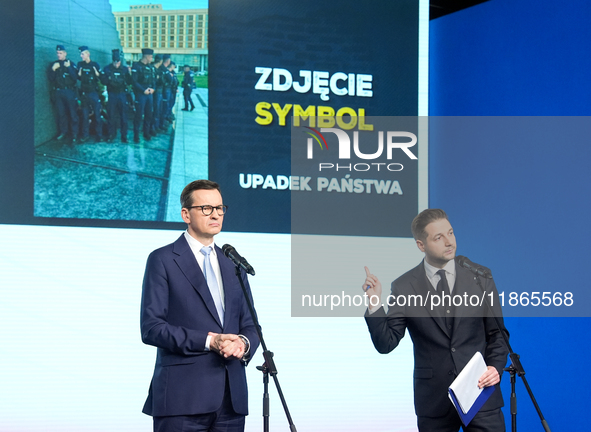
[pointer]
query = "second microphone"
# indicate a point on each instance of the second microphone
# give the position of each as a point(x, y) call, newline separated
point(239, 261)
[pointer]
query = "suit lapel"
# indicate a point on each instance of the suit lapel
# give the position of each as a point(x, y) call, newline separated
point(190, 268)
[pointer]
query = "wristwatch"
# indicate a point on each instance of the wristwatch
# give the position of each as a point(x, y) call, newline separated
point(246, 344)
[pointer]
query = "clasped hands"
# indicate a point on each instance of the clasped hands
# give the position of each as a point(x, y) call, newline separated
point(227, 345)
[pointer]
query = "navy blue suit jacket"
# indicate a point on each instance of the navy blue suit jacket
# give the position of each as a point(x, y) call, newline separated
point(440, 354)
point(177, 312)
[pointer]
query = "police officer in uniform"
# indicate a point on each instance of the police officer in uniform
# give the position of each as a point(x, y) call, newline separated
point(158, 120)
point(173, 90)
point(188, 86)
point(166, 88)
point(143, 76)
point(89, 73)
point(62, 75)
point(117, 78)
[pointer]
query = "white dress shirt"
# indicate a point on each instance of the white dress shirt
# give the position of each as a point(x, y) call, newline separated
point(434, 278)
point(196, 246)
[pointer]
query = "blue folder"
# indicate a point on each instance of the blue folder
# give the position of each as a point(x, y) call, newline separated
point(482, 398)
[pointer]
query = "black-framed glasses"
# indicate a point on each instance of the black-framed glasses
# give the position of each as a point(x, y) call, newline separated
point(208, 210)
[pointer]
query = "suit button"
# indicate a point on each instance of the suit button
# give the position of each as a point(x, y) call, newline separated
point(449, 327)
point(450, 372)
point(453, 350)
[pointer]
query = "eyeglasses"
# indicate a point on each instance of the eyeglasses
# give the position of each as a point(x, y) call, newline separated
point(208, 210)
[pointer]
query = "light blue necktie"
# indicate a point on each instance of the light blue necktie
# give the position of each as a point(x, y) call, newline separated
point(212, 282)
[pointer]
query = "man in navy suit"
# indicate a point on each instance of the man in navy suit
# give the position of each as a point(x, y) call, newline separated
point(444, 337)
point(194, 311)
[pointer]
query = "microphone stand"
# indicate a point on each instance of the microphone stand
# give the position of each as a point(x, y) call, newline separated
point(514, 368)
point(268, 367)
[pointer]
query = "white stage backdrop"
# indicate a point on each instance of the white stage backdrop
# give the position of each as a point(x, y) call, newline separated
point(72, 358)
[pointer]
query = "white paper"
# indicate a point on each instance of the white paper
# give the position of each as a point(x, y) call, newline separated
point(465, 386)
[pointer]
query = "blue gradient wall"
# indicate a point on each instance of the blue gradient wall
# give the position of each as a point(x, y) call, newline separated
point(521, 210)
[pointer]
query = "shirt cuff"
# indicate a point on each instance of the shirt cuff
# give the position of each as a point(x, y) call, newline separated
point(245, 356)
point(207, 342)
point(371, 311)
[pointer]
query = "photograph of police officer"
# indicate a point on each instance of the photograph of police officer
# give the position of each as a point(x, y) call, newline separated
point(89, 73)
point(167, 81)
point(157, 120)
point(143, 76)
point(172, 91)
point(63, 76)
point(188, 86)
point(116, 78)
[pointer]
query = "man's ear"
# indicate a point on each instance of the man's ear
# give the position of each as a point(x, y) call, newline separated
point(420, 245)
point(185, 215)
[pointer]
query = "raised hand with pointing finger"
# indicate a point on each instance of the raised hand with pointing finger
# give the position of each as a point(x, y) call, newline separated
point(373, 288)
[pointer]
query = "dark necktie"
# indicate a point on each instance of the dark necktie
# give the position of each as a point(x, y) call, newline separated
point(448, 309)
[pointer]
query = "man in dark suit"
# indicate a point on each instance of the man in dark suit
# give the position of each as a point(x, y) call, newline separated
point(193, 309)
point(444, 337)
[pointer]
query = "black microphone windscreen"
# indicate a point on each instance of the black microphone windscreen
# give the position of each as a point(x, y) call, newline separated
point(227, 249)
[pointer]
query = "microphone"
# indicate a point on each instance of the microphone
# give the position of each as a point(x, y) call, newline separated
point(477, 269)
point(238, 261)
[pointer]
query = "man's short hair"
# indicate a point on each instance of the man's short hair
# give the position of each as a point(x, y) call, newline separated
point(187, 194)
point(423, 219)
